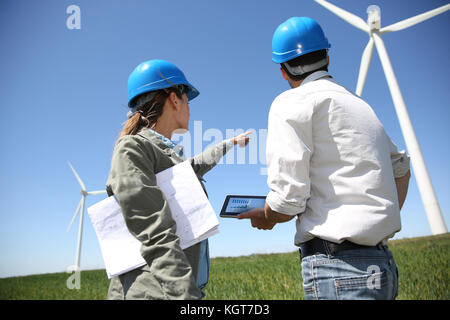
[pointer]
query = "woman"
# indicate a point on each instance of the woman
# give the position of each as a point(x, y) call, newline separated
point(159, 96)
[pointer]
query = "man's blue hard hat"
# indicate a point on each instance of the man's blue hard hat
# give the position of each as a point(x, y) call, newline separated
point(295, 37)
point(155, 75)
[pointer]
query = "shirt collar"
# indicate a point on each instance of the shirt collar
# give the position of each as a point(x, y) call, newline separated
point(166, 141)
point(315, 76)
point(162, 140)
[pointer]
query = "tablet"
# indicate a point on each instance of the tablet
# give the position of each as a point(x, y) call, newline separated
point(235, 204)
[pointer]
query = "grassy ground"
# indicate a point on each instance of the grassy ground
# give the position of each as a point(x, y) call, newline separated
point(423, 267)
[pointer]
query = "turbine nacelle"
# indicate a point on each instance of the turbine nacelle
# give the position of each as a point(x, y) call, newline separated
point(373, 17)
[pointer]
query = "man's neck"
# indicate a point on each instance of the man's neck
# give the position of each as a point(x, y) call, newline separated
point(295, 84)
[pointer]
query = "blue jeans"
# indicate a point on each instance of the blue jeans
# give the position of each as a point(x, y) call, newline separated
point(364, 274)
point(203, 266)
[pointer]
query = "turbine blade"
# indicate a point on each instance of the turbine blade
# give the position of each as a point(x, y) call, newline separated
point(78, 177)
point(364, 68)
point(75, 215)
point(347, 16)
point(96, 192)
point(415, 20)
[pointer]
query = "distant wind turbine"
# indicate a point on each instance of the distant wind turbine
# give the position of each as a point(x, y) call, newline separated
point(84, 194)
point(374, 30)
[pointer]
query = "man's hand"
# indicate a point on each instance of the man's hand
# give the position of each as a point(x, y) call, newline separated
point(265, 218)
point(258, 219)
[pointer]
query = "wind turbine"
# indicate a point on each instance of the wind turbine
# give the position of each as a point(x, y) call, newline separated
point(84, 194)
point(374, 30)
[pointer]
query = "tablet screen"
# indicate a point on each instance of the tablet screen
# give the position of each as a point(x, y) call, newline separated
point(235, 204)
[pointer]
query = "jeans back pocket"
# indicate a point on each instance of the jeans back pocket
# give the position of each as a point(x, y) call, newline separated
point(310, 291)
point(366, 287)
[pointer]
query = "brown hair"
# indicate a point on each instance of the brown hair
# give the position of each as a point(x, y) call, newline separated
point(148, 113)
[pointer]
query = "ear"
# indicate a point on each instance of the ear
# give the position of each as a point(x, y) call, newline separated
point(284, 74)
point(174, 100)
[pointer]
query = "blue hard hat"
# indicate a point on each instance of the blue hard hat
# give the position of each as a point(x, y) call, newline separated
point(155, 75)
point(295, 37)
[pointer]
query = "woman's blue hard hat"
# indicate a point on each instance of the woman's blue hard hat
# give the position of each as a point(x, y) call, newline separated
point(155, 75)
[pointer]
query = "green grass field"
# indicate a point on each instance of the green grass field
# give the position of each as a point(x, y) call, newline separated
point(423, 267)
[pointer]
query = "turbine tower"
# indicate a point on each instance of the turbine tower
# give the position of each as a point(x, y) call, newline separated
point(374, 30)
point(81, 204)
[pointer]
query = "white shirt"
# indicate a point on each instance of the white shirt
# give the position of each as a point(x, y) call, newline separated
point(330, 160)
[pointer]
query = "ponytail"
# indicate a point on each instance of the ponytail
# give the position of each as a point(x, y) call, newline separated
point(132, 126)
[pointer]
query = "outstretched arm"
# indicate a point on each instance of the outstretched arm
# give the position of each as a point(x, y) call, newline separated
point(206, 160)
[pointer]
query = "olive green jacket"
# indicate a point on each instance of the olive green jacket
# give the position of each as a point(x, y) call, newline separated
point(170, 272)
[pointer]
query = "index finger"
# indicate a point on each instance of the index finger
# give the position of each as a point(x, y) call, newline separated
point(249, 214)
point(243, 215)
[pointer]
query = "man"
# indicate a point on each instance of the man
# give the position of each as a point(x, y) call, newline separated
point(331, 164)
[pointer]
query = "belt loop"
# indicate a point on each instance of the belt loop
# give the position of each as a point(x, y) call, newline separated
point(327, 248)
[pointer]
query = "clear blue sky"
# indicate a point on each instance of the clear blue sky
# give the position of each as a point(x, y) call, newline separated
point(64, 94)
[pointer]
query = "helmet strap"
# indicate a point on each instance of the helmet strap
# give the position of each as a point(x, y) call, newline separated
point(302, 69)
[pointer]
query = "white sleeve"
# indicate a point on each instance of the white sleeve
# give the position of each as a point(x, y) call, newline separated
point(400, 160)
point(288, 152)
